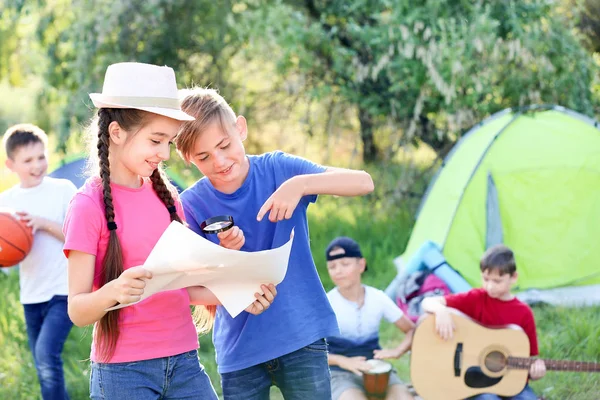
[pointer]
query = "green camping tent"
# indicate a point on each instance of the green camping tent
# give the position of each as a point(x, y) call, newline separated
point(528, 178)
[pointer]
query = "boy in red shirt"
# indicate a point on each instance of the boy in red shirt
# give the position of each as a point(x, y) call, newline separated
point(491, 305)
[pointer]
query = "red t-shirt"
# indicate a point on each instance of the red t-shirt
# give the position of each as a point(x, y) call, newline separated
point(488, 311)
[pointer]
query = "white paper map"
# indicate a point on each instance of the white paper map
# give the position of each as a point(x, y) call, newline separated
point(181, 258)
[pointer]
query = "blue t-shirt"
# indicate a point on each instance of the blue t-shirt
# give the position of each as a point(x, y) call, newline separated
point(301, 313)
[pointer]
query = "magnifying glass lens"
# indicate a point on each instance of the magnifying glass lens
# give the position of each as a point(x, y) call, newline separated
point(217, 226)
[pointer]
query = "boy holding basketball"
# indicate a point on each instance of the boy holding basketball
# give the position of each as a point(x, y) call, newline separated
point(492, 305)
point(41, 202)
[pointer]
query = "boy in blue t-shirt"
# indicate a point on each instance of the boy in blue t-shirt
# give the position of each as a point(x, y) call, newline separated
point(285, 345)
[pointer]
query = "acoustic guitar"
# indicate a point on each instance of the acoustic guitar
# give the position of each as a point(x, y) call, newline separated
point(476, 360)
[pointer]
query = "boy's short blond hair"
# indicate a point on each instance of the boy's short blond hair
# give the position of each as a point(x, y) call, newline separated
point(22, 135)
point(498, 258)
point(207, 106)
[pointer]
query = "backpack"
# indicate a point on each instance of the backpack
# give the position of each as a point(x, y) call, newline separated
point(414, 288)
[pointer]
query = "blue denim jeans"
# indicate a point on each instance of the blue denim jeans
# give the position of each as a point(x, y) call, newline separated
point(526, 394)
point(48, 326)
point(177, 377)
point(302, 374)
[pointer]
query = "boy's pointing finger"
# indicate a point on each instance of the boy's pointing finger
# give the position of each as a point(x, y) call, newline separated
point(263, 210)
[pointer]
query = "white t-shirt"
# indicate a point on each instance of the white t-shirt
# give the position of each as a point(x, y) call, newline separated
point(359, 324)
point(43, 273)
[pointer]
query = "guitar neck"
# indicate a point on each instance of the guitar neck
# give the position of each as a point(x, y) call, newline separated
point(554, 365)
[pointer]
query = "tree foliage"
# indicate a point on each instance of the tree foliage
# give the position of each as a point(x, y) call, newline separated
point(431, 69)
point(586, 14)
point(195, 37)
point(411, 71)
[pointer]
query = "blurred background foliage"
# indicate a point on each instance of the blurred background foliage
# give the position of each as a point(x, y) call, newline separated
point(390, 83)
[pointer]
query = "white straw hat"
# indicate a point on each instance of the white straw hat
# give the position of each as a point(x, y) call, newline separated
point(144, 87)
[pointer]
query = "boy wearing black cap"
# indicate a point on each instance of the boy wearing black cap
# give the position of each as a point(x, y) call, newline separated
point(359, 310)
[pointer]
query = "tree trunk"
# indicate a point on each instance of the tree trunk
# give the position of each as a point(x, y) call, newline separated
point(366, 135)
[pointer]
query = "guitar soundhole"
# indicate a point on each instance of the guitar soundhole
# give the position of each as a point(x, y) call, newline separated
point(495, 361)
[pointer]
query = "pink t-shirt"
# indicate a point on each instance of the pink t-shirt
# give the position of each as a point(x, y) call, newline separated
point(161, 325)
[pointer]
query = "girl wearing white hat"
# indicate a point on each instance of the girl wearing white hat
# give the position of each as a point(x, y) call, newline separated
point(149, 349)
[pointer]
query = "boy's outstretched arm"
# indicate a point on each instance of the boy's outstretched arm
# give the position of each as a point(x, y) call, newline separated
point(338, 182)
point(444, 325)
point(406, 326)
point(433, 304)
point(334, 181)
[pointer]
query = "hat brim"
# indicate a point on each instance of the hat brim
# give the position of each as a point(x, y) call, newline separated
point(167, 112)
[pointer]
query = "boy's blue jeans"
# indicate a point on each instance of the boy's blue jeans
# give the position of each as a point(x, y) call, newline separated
point(526, 394)
point(48, 326)
point(302, 374)
point(176, 377)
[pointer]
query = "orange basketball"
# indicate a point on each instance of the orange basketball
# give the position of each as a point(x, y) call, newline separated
point(16, 238)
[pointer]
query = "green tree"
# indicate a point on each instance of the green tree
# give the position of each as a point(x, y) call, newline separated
point(429, 69)
point(195, 37)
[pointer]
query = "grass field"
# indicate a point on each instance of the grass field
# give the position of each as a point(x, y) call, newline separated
point(563, 333)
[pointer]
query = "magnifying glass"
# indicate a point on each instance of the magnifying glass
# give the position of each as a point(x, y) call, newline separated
point(217, 224)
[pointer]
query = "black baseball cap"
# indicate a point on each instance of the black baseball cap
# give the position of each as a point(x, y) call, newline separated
point(349, 245)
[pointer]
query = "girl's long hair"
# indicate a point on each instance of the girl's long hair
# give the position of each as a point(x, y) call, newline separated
point(106, 333)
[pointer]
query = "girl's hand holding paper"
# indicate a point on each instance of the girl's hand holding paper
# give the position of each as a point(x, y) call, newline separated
point(129, 286)
point(182, 259)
